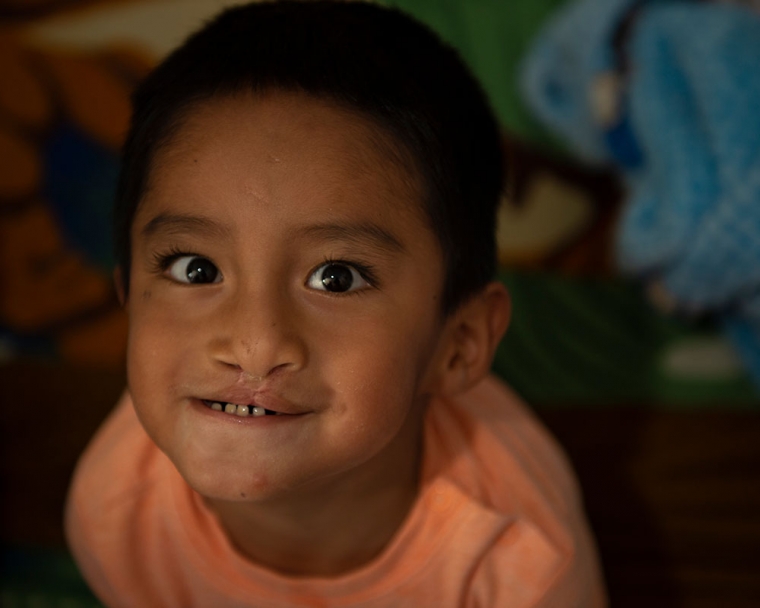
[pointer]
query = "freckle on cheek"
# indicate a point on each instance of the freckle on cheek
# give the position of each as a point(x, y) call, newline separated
point(146, 294)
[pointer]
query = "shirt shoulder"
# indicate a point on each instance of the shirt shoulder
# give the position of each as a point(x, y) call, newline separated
point(117, 464)
point(490, 445)
point(489, 442)
point(117, 480)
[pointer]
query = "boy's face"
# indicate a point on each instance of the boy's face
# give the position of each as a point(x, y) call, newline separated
point(281, 260)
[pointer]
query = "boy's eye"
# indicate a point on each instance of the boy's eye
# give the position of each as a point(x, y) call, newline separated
point(194, 269)
point(337, 278)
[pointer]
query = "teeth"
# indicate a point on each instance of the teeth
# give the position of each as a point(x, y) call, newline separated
point(238, 410)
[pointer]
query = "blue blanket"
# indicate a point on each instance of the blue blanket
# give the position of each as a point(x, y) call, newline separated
point(669, 92)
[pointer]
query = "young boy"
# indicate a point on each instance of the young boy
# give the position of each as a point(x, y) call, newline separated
point(305, 225)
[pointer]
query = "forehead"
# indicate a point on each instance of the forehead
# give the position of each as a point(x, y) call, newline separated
point(315, 141)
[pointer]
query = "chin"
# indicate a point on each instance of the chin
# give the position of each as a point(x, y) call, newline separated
point(231, 486)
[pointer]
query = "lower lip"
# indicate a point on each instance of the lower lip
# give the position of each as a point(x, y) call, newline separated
point(265, 421)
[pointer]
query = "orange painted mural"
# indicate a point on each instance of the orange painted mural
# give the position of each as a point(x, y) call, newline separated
point(63, 114)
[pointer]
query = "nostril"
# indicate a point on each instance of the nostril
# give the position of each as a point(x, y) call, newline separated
point(259, 352)
point(233, 366)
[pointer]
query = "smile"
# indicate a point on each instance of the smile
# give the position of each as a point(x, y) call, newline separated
point(240, 410)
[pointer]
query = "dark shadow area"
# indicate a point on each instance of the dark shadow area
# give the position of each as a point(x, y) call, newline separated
point(48, 413)
point(674, 500)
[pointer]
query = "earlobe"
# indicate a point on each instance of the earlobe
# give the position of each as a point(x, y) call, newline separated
point(475, 332)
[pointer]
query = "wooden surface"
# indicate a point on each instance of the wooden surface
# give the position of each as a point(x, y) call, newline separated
point(673, 496)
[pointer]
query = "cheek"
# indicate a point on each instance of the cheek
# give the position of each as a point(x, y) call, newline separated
point(149, 349)
point(156, 353)
point(157, 330)
point(378, 383)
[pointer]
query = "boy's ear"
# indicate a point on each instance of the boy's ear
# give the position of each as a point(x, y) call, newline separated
point(474, 332)
point(118, 280)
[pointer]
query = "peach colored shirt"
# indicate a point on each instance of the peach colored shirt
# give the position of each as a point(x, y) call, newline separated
point(498, 522)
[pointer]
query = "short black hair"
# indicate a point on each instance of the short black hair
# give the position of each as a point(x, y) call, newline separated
point(371, 59)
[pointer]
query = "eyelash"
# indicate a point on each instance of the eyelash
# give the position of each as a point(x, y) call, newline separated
point(367, 272)
point(162, 261)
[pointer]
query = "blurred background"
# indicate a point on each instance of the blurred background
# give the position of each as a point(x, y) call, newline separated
point(629, 236)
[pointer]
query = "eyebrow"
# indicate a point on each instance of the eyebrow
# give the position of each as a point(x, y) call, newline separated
point(366, 234)
point(169, 223)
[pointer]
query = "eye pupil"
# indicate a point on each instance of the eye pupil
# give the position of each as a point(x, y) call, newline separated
point(337, 278)
point(201, 270)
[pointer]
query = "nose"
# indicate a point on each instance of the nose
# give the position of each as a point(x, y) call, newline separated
point(258, 334)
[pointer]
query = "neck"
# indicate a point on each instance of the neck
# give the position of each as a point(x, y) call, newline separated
point(333, 527)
